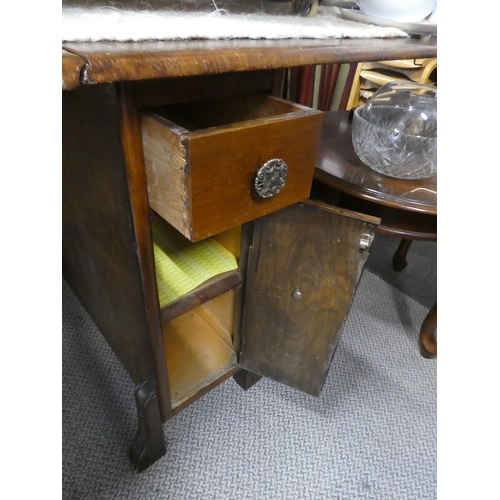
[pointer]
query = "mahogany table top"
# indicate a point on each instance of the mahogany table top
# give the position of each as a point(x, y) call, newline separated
point(105, 62)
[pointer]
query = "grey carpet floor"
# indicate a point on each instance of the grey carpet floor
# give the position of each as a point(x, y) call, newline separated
point(418, 279)
point(371, 434)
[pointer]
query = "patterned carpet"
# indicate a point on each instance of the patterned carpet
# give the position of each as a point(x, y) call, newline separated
point(371, 434)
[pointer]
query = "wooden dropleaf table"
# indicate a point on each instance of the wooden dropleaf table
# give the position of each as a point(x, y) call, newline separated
point(177, 133)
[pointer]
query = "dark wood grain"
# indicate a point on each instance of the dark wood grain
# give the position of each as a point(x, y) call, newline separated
point(130, 125)
point(100, 245)
point(112, 61)
point(315, 250)
point(394, 222)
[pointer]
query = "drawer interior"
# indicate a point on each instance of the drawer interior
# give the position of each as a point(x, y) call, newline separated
point(193, 116)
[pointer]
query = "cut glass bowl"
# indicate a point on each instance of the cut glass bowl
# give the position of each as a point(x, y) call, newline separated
point(395, 132)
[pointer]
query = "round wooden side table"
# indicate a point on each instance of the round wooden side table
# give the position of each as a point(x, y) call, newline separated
point(407, 208)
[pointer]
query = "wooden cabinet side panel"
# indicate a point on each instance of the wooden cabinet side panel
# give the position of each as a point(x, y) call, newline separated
point(100, 260)
point(314, 253)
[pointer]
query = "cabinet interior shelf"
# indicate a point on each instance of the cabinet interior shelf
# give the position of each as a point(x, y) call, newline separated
point(185, 271)
point(197, 291)
point(198, 348)
point(201, 294)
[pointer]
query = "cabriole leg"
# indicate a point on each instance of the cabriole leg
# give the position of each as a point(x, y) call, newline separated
point(149, 443)
point(399, 260)
point(427, 339)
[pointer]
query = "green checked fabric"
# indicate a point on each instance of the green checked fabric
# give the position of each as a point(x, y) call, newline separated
point(181, 265)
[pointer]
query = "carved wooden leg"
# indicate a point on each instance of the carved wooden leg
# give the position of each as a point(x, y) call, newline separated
point(149, 443)
point(399, 260)
point(427, 339)
point(246, 379)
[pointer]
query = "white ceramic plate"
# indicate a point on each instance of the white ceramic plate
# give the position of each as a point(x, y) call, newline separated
point(420, 28)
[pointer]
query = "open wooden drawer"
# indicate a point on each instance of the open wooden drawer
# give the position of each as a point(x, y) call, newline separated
point(217, 163)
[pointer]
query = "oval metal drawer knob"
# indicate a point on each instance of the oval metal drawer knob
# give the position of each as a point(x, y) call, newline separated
point(297, 294)
point(271, 177)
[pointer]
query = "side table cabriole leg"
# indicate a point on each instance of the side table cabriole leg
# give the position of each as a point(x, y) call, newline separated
point(399, 261)
point(427, 339)
point(149, 443)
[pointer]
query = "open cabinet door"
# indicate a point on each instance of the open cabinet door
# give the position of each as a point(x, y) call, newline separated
point(304, 264)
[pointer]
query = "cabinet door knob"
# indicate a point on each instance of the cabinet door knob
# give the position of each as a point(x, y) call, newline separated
point(297, 294)
point(271, 177)
point(365, 242)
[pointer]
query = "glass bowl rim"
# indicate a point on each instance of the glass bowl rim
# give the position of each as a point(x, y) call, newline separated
point(358, 111)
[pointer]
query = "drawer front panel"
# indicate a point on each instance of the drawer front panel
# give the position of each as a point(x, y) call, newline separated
point(224, 167)
point(201, 180)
